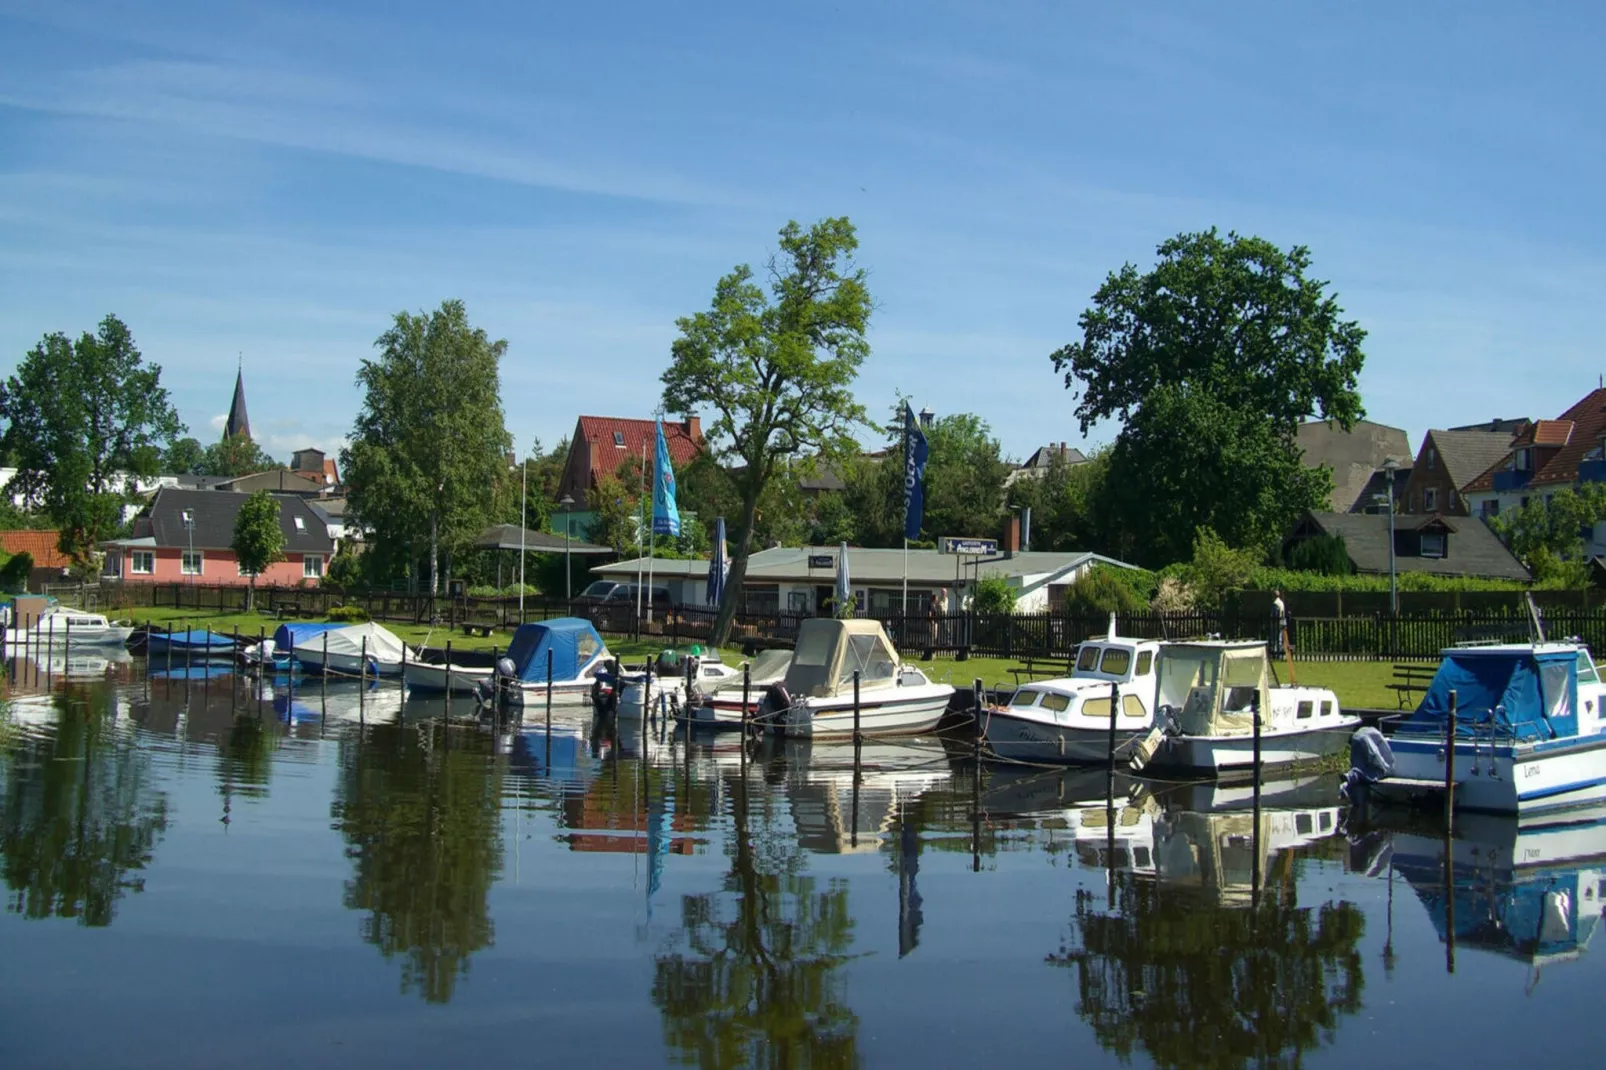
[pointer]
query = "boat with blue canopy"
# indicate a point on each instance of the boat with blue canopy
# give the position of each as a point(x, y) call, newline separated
point(191, 642)
point(571, 647)
point(1529, 735)
point(279, 650)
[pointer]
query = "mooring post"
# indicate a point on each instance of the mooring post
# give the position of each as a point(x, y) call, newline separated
point(858, 736)
point(1449, 767)
point(1115, 706)
point(362, 667)
point(976, 731)
point(646, 691)
point(168, 664)
point(1256, 845)
point(262, 637)
point(446, 703)
point(323, 672)
point(549, 697)
point(66, 647)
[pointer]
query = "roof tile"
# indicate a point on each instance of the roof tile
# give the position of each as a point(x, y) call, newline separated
point(39, 545)
point(618, 439)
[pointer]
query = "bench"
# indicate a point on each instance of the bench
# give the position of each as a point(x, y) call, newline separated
point(471, 628)
point(1033, 668)
point(1409, 679)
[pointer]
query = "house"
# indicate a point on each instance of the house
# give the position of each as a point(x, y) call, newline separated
point(1510, 425)
point(1356, 457)
point(1545, 457)
point(802, 579)
point(50, 565)
point(1447, 462)
point(1043, 458)
point(1443, 546)
point(186, 535)
point(312, 464)
point(600, 444)
point(275, 480)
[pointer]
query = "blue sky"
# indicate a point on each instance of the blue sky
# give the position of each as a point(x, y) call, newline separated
point(278, 179)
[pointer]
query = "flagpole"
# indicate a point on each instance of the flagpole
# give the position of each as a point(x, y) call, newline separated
point(524, 494)
point(652, 519)
point(905, 612)
point(641, 499)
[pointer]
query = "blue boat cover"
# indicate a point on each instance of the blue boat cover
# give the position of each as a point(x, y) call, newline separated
point(572, 641)
point(1531, 694)
point(198, 638)
point(1525, 916)
point(286, 636)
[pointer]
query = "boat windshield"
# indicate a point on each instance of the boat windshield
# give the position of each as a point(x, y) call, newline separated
point(1025, 698)
point(1586, 669)
point(1117, 660)
point(1053, 700)
point(1088, 659)
point(866, 655)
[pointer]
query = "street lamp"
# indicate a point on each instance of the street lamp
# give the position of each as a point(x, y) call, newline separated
point(188, 517)
point(1391, 465)
point(568, 568)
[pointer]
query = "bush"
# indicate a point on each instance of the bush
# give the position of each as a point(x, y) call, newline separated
point(1326, 555)
point(348, 614)
point(1172, 596)
point(1107, 589)
point(1217, 569)
point(14, 573)
point(994, 595)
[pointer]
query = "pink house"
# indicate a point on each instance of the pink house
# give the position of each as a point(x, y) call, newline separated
point(185, 537)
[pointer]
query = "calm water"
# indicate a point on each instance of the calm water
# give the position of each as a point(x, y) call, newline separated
point(199, 877)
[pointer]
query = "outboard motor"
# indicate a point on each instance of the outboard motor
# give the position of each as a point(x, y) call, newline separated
point(1371, 759)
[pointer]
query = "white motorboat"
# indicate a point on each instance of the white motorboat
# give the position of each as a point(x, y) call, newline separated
point(817, 696)
point(1067, 720)
point(669, 679)
point(562, 658)
point(62, 625)
point(721, 706)
point(358, 650)
point(461, 679)
point(1530, 731)
point(1208, 695)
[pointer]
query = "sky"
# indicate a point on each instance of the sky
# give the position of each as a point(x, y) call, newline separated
point(269, 183)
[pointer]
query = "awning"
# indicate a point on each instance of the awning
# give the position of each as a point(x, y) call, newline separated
point(506, 537)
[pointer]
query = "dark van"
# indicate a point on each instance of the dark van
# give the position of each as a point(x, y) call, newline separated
point(612, 604)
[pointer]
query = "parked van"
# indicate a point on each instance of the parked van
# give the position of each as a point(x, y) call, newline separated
point(612, 604)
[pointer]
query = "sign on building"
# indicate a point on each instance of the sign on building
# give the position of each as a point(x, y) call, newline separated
point(968, 547)
point(822, 561)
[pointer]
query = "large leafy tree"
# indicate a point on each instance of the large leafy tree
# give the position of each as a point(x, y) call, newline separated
point(235, 455)
point(83, 418)
point(1547, 533)
point(429, 441)
point(775, 365)
point(1211, 359)
point(1063, 500)
point(183, 457)
point(258, 539)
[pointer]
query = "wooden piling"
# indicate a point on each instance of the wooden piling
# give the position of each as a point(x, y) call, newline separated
point(446, 703)
point(1449, 766)
point(858, 736)
point(549, 698)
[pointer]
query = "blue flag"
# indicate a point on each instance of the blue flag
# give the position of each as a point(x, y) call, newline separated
point(914, 474)
point(665, 515)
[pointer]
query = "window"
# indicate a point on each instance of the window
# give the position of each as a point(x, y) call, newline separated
point(312, 566)
point(1132, 706)
point(1490, 507)
point(1116, 661)
point(141, 562)
point(1430, 500)
point(1024, 698)
point(1305, 709)
point(301, 523)
point(1053, 700)
point(1304, 825)
point(1088, 659)
point(1433, 544)
point(619, 439)
point(190, 563)
point(1432, 456)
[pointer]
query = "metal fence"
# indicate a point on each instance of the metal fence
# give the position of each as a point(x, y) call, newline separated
point(1041, 636)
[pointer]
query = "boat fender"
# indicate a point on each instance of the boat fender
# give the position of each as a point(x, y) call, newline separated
point(1145, 748)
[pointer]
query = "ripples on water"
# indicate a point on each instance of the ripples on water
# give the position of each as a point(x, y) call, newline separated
point(199, 873)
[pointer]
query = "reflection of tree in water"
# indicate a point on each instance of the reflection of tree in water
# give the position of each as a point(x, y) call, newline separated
point(245, 759)
point(1199, 984)
point(81, 816)
point(754, 978)
point(423, 830)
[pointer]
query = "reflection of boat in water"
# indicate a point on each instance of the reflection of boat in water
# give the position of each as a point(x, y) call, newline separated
point(33, 668)
point(343, 700)
point(1531, 893)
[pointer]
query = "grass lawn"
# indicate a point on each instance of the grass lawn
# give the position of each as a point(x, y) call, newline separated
point(1357, 683)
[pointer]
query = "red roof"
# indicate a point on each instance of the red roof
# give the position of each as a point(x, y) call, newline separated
point(1559, 444)
point(1548, 433)
point(40, 545)
point(614, 440)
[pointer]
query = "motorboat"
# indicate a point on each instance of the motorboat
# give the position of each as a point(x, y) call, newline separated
point(840, 666)
point(563, 657)
point(1067, 720)
point(190, 644)
point(672, 671)
point(352, 650)
point(721, 705)
point(60, 624)
point(278, 650)
point(1209, 694)
point(443, 677)
point(1529, 731)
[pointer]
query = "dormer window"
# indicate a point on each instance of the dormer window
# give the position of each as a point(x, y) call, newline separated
point(1432, 544)
point(1524, 460)
point(301, 523)
point(619, 439)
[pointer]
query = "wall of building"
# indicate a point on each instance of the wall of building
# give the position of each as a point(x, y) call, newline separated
point(218, 568)
point(1429, 477)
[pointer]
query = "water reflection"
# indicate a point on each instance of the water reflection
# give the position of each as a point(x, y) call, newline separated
point(82, 815)
point(1203, 956)
point(419, 808)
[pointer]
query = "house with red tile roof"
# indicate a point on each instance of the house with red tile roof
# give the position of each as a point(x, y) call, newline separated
point(601, 444)
point(49, 564)
point(1545, 457)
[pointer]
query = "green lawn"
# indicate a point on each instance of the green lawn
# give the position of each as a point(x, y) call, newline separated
point(1357, 683)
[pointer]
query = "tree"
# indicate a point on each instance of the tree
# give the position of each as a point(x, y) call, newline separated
point(776, 368)
point(184, 456)
point(1064, 501)
point(1211, 359)
point(235, 455)
point(1547, 534)
point(429, 439)
point(258, 539)
point(83, 418)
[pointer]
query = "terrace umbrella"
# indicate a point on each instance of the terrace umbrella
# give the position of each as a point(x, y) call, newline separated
point(718, 565)
point(843, 584)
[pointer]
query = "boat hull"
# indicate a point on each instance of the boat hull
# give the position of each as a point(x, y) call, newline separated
point(1234, 756)
point(424, 676)
point(336, 664)
point(1021, 739)
point(1529, 779)
point(880, 714)
point(113, 635)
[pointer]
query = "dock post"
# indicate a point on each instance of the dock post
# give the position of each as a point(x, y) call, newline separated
point(362, 666)
point(975, 714)
point(747, 688)
point(1115, 705)
point(858, 736)
point(168, 666)
point(549, 697)
point(262, 637)
point(1109, 800)
point(1449, 767)
point(66, 648)
point(446, 703)
point(1254, 892)
point(323, 671)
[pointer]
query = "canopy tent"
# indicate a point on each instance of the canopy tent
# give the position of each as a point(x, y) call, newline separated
point(830, 651)
point(1215, 686)
point(1530, 692)
point(573, 642)
point(380, 644)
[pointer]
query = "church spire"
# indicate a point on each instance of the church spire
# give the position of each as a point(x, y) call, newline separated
point(239, 423)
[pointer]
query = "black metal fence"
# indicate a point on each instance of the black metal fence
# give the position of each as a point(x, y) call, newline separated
point(1041, 636)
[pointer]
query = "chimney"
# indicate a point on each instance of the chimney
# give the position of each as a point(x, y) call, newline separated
point(1012, 534)
point(693, 426)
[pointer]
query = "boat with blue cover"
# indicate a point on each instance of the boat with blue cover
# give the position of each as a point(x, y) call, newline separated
point(1530, 736)
point(279, 650)
point(192, 643)
point(572, 647)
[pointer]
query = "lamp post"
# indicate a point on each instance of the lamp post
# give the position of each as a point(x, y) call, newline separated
point(188, 516)
point(568, 570)
point(524, 492)
point(1392, 465)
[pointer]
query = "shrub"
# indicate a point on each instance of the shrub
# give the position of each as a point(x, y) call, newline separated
point(1172, 596)
point(347, 614)
point(994, 595)
point(1217, 568)
point(14, 573)
point(1106, 589)
point(1326, 555)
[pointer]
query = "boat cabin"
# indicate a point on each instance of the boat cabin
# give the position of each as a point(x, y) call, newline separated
point(1518, 692)
point(574, 645)
point(829, 652)
point(1213, 688)
point(1117, 660)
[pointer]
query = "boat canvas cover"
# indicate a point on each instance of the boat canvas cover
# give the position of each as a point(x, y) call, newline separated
point(1531, 694)
point(380, 644)
point(1216, 688)
point(830, 651)
point(768, 667)
point(286, 636)
point(200, 638)
point(572, 641)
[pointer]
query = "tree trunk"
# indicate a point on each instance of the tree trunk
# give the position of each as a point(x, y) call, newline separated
point(738, 571)
point(434, 554)
point(251, 594)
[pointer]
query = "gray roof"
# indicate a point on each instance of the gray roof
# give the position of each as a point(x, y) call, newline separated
point(1353, 455)
point(1043, 456)
point(1510, 425)
point(1466, 455)
point(879, 567)
point(274, 479)
point(1471, 548)
point(506, 537)
point(214, 515)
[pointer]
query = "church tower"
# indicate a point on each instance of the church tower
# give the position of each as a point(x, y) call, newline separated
point(239, 423)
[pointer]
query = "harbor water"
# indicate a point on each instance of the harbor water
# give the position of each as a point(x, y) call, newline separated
point(205, 869)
